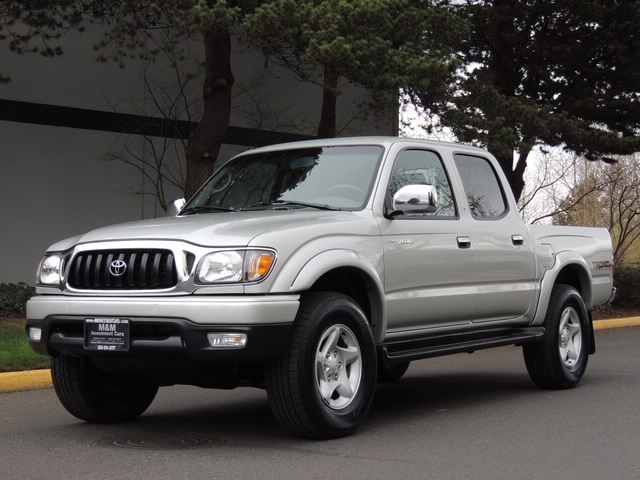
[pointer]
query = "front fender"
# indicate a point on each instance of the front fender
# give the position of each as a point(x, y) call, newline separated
point(330, 260)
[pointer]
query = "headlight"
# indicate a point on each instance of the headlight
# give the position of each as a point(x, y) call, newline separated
point(234, 266)
point(50, 270)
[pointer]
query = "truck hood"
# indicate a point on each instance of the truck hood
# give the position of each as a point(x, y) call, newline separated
point(220, 229)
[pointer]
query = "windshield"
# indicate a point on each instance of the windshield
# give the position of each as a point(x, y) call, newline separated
point(326, 177)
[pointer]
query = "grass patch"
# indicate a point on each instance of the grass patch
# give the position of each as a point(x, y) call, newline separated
point(15, 352)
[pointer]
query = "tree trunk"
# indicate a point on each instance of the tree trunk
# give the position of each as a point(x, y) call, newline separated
point(208, 136)
point(501, 76)
point(515, 177)
point(327, 126)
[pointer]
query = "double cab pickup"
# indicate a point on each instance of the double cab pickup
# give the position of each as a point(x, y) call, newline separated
point(315, 270)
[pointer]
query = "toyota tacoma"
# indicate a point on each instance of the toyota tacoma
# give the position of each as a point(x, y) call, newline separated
point(315, 270)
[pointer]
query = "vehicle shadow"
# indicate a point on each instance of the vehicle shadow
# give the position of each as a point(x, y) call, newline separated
point(453, 389)
point(210, 417)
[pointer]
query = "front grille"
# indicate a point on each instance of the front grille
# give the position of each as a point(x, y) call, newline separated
point(123, 270)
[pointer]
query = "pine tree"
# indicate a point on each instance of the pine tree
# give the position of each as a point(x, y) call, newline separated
point(547, 72)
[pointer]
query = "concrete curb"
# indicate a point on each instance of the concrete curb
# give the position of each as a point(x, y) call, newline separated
point(29, 380)
point(36, 379)
point(616, 323)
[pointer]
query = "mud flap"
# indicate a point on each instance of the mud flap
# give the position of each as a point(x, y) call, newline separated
point(592, 348)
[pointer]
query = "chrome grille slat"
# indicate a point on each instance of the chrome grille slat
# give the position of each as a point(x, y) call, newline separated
point(145, 270)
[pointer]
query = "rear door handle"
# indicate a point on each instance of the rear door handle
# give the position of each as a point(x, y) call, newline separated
point(464, 242)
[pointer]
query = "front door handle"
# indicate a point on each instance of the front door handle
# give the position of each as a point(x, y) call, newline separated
point(517, 239)
point(464, 242)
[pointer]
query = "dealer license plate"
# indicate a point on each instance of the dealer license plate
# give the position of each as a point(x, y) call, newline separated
point(107, 334)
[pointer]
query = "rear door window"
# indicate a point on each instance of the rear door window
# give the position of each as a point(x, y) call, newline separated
point(482, 187)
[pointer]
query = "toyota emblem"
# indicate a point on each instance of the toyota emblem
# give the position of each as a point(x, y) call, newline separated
point(117, 268)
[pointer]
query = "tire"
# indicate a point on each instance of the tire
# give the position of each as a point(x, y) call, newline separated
point(95, 396)
point(560, 359)
point(323, 384)
point(389, 373)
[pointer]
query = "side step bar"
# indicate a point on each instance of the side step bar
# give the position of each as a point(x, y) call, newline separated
point(434, 346)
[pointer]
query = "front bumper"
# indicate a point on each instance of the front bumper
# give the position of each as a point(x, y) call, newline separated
point(167, 328)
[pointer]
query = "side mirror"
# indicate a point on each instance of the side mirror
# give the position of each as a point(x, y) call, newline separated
point(174, 207)
point(416, 199)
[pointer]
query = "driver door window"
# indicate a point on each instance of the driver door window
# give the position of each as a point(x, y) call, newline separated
point(423, 167)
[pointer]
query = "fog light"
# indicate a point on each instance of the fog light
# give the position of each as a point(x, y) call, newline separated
point(35, 334)
point(227, 340)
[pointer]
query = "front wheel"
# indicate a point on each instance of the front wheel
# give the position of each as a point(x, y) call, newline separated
point(560, 359)
point(322, 385)
point(96, 396)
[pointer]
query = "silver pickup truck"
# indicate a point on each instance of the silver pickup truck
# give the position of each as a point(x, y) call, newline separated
point(315, 270)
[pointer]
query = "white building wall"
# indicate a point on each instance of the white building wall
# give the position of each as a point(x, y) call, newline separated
point(55, 181)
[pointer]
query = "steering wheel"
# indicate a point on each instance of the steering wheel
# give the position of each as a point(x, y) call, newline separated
point(352, 192)
point(222, 183)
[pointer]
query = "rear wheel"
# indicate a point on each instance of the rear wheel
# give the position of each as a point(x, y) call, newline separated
point(96, 396)
point(560, 359)
point(323, 383)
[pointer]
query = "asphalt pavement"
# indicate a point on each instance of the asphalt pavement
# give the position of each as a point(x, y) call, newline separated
point(458, 417)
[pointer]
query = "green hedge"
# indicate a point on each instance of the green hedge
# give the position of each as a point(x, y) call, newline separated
point(627, 281)
point(13, 299)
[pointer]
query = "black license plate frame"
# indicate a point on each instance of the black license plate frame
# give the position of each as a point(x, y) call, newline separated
point(107, 334)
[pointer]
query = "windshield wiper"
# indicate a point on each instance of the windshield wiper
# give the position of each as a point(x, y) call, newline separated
point(292, 203)
point(205, 209)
